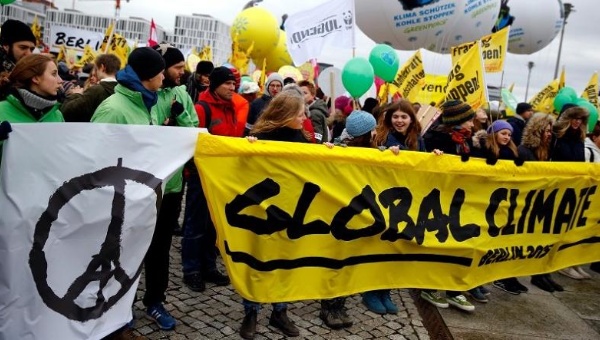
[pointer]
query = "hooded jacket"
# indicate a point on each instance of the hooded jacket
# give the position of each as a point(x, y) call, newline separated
point(592, 151)
point(518, 124)
point(224, 115)
point(569, 147)
point(531, 139)
point(318, 117)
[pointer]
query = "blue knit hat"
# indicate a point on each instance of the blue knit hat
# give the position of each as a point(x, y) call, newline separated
point(499, 125)
point(359, 123)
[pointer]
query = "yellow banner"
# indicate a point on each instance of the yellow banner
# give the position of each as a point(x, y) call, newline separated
point(432, 89)
point(301, 221)
point(466, 81)
point(107, 37)
point(591, 91)
point(408, 77)
point(563, 79)
point(493, 50)
point(36, 29)
point(543, 101)
point(89, 55)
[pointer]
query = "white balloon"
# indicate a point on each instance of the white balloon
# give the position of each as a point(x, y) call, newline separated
point(435, 25)
point(332, 89)
point(535, 23)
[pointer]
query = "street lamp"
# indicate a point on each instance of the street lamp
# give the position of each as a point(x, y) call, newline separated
point(568, 8)
point(529, 67)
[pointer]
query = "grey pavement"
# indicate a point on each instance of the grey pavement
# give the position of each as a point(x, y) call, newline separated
point(217, 314)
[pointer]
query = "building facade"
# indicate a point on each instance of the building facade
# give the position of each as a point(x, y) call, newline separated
point(199, 30)
point(24, 11)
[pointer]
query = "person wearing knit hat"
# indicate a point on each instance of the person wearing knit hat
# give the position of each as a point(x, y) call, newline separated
point(498, 126)
point(273, 85)
point(199, 80)
point(17, 41)
point(174, 64)
point(147, 63)
point(360, 123)
point(455, 113)
point(219, 76)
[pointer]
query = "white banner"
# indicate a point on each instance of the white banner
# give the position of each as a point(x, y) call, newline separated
point(79, 204)
point(332, 23)
point(73, 38)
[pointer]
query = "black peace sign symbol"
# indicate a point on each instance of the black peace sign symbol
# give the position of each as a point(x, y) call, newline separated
point(99, 268)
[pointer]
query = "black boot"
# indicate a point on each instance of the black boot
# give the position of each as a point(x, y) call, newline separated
point(341, 307)
point(279, 319)
point(216, 277)
point(595, 267)
point(541, 282)
point(554, 285)
point(248, 328)
point(330, 314)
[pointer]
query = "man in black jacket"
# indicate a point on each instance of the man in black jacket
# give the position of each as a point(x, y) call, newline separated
point(80, 107)
point(524, 112)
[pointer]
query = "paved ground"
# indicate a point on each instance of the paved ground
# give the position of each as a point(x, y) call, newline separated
point(217, 314)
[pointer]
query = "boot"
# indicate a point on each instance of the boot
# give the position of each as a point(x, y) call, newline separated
point(341, 307)
point(279, 319)
point(373, 303)
point(582, 272)
point(595, 267)
point(542, 283)
point(386, 300)
point(330, 314)
point(553, 283)
point(248, 328)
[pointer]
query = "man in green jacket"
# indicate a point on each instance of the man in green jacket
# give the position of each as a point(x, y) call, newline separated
point(79, 107)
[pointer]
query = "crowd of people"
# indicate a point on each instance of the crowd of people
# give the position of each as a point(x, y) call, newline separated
point(150, 90)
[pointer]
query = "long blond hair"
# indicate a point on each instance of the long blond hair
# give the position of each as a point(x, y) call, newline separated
point(563, 124)
point(492, 144)
point(280, 111)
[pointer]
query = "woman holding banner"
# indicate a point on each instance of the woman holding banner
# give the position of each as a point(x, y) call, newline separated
point(535, 146)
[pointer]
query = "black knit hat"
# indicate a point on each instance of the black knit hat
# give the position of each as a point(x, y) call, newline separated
point(205, 67)
point(455, 112)
point(220, 75)
point(146, 62)
point(14, 31)
point(170, 54)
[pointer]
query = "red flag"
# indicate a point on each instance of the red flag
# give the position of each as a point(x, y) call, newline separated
point(153, 39)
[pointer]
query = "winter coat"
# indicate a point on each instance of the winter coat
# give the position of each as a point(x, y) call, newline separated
point(318, 117)
point(13, 110)
point(518, 124)
point(439, 138)
point(531, 139)
point(480, 149)
point(283, 134)
point(396, 139)
point(569, 147)
point(256, 108)
point(224, 115)
point(592, 151)
point(81, 107)
point(124, 107)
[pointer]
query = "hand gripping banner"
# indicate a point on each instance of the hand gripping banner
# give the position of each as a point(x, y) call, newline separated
point(300, 221)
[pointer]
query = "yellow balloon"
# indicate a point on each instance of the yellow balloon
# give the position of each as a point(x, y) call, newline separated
point(278, 57)
point(257, 28)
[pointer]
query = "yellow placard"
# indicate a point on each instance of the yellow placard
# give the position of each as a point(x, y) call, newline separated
point(493, 50)
point(466, 81)
point(432, 89)
point(591, 91)
point(408, 77)
point(307, 222)
point(543, 101)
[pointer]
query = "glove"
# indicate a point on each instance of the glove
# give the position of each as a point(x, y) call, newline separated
point(176, 110)
point(519, 161)
point(464, 157)
point(5, 129)
point(491, 160)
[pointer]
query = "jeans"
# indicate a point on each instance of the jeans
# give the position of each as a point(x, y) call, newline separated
point(198, 254)
point(156, 261)
point(249, 306)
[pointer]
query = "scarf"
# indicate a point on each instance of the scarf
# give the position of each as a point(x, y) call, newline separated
point(460, 136)
point(128, 78)
point(35, 103)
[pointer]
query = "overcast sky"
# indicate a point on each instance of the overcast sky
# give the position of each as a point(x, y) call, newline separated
point(580, 53)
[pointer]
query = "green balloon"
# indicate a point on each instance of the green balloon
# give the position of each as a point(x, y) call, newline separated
point(593, 110)
point(357, 76)
point(569, 91)
point(6, 2)
point(384, 60)
point(560, 100)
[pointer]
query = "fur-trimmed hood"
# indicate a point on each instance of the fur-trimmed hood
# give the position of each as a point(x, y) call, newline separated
point(532, 134)
point(479, 139)
point(564, 118)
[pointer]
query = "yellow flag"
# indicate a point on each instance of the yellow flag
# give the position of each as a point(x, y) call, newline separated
point(562, 80)
point(591, 90)
point(120, 48)
point(543, 101)
point(36, 29)
point(89, 55)
point(240, 58)
point(107, 37)
point(408, 77)
point(205, 53)
point(70, 57)
point(493, 50)
point(466, 81)
point(432, 89)
point(61, 53)
point(511, 87)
